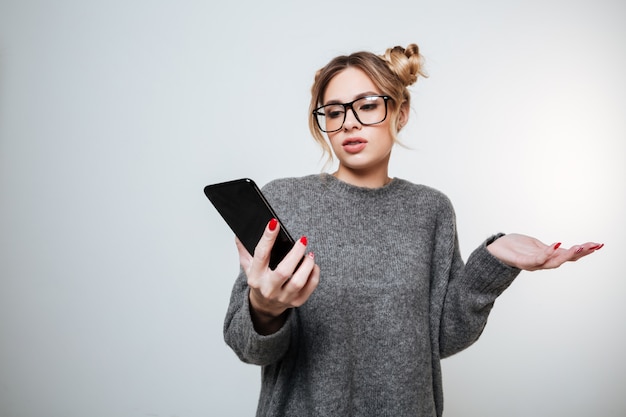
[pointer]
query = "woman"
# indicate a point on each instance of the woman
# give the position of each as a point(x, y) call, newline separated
point(360, 326)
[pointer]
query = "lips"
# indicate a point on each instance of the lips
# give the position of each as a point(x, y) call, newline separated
point(354, 145)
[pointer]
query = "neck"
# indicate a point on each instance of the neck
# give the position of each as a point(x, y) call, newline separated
point(363, 179)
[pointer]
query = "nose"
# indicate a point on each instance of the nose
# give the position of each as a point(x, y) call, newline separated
point(351, 121)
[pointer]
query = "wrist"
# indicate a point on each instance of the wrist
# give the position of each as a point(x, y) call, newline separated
point(262, 308)
point(266, 321)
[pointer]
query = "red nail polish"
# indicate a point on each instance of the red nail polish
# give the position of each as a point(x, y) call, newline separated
point(303, 240)
point(558, 245)
point(273, 224)
point(596, 247)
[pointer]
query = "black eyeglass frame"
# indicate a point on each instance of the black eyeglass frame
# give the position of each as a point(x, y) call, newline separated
point(347, 106)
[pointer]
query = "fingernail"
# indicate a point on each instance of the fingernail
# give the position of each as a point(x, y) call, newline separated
point(596, 247)
point(311, 255)
point(557, 246)
point(273, 224)
point(303, 240)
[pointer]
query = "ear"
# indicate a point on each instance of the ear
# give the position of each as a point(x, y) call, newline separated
point(403, 115)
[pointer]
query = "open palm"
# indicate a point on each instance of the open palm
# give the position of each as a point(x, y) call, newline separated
point(530, 254)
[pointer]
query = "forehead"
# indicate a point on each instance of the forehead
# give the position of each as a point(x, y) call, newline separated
point(349, 84)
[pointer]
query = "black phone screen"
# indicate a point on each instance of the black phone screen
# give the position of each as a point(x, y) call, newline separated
point(246, 211)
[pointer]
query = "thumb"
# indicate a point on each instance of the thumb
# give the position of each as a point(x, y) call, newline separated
point(245, 259)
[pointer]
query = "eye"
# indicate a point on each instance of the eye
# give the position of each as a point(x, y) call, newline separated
point(369, 103)
point(368, 106)
point(334, 112)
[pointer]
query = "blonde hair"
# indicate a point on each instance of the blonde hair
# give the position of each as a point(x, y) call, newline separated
point(392, 73)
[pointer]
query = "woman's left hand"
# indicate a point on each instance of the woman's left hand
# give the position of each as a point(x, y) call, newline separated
point(528, 253)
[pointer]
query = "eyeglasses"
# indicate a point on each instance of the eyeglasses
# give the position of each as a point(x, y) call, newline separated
point(368, 110)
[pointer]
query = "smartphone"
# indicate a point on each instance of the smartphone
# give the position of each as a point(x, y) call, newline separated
point(247, 212)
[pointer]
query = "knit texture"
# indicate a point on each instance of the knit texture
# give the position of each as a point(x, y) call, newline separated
point(394, 298)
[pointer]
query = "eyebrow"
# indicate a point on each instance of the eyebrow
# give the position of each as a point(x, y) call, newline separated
point(358, 96)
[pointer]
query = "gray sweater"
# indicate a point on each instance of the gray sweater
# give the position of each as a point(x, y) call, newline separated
point(394, 298)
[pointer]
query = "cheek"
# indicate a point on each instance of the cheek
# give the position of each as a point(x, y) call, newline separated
point(389, 131)
point(333, 139)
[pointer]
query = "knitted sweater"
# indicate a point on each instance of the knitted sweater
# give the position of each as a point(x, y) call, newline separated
point(394, 298)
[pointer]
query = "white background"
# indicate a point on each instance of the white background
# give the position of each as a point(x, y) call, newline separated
point(115, 272)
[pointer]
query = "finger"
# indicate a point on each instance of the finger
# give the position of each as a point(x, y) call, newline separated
point(245, 259)
point(263, 249)
point(300, 287)
point(311, 284)
point(592, 246)
point(300, 277)
point(553, 253)
point(586, 249)
point(573, 254)
point(285, 269)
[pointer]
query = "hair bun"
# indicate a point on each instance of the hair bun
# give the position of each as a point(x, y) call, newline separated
point(406, 63)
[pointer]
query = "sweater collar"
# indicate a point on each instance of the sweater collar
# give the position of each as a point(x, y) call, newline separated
point(344, 188)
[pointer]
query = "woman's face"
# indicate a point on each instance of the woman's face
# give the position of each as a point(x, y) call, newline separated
point(360, 149)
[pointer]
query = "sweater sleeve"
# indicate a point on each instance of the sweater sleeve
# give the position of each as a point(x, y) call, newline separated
point(471, 293)
point(462, 294)
point(240, 335)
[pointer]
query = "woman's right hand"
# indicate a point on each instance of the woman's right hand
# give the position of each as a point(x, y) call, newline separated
point(273, 292)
